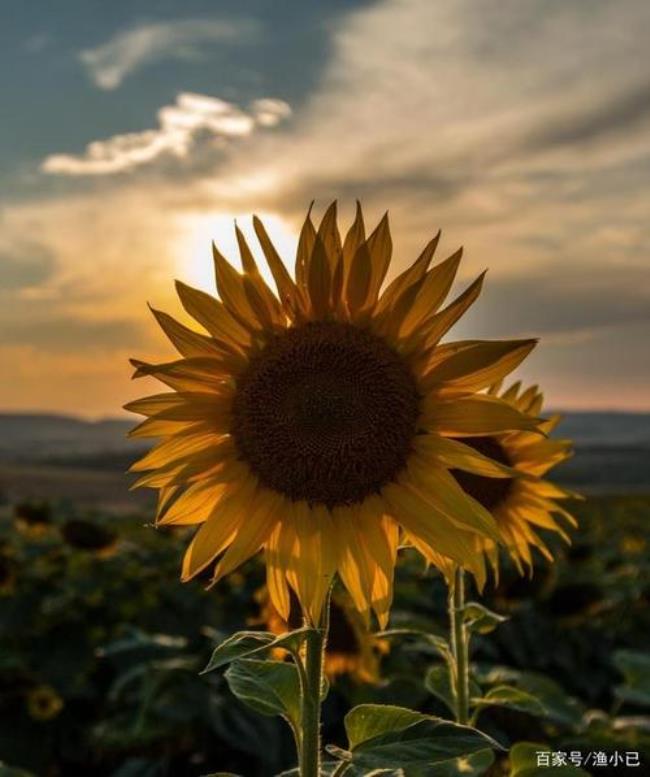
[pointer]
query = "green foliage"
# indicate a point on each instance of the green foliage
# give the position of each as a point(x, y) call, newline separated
point(436, 641)
point(388, 737)
point(269, 687)
point(116, 643)
point(515, 698)
point(438, 682)
point(532, 693)
point(248, 643)
point(635, 667)
point(480, 619)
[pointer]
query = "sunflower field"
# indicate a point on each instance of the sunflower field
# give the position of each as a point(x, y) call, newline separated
point(102, 649)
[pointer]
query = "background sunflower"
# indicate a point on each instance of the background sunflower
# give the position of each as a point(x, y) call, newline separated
point(522, 505)
point(351, 648)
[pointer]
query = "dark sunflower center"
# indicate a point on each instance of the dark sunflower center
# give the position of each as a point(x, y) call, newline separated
point(490, 492)
point(326, 412)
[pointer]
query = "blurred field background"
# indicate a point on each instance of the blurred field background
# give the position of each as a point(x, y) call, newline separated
point(101, 645)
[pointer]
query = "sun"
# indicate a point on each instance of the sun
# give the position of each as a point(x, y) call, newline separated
point(197, 230)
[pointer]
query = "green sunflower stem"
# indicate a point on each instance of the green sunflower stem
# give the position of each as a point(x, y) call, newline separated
point(459, 646)
point(310, 739)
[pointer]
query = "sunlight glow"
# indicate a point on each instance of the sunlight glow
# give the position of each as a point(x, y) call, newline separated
point(196, 231)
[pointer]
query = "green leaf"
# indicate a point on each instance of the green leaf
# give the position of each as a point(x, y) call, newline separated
point(438, 682)
point(269, 687)
point(478, 618)
point(370, 720)
point(514, 698)
point(523, 763)
point(248, 643)
point(556, 704)
point(473, 765)
point(388, 737)
point(438, 642)
point(635, 668)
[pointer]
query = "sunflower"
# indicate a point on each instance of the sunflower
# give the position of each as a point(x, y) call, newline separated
point(521, 505)
point(350, 649)
point(317, 423)
point(33, 519)
point(90, 537)
point(43, 703)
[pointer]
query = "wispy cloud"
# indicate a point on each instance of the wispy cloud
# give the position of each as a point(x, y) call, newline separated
point(192, 116)
point(519, 128)
point(24, 266)
point(120, 56)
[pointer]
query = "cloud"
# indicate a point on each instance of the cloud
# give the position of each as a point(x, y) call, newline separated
point(193, 117)
point(73, 334)
point(24, 265)
point(494, 92)
point(616, 113)
point(519, 128)
point(128, 51)
point(564, 303)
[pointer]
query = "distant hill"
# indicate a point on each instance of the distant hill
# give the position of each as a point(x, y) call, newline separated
point(606, 428)
point(612, 449)
point(34, 437)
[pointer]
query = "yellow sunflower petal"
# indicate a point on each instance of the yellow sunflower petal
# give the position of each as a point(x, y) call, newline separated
point(328, 233)
point(380, 248)
point(254, 533)
point(306, 241)
point(359, 279)
point(278, 550)
point(154, 427)
point(379, 534)
point(354, 239)
point(230, 285)
point(214, 317)
point(186, 341)
point(431, 528)
point(406, 279)
point(432, 293)
point(440, 489)
point(287, 289)
point(471, 416)
point(511, 394)
point(318, 280)
point(196, 374)
point(455, 455)
point(538, 457)
point(355, 567)
point(524, 402)
point(185, 406)
point(194, 505)
point(261, 298)
point(175, 448)
point(476, 367)
point(313, 559)
point(442, 322)
point(216, 534)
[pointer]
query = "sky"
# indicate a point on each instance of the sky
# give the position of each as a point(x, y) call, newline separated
point(134, 133)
